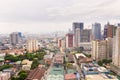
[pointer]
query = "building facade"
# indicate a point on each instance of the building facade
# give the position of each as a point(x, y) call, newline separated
point(77, 27)
point(109, 31)
point(99, 49)
point(115, 66)
point(85, 35)
point(96, 31)
point(32, 45)
point(69, 40)
point(15, 38)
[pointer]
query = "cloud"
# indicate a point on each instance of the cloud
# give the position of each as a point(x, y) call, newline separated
point(54, 13)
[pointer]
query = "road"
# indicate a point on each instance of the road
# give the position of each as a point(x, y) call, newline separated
point(78, 68)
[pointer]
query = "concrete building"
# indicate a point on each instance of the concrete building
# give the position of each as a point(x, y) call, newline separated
point(4, 76)
point(116, 53)
point(77, 37)
point(15, 38)
point(109, 31)
point(86, 46)
point(56, 74)
point(61, 44)
point(96, 31)
point(102, 49)
point(32, 45)
point(36, 74)
point(99, 49)
point(69, 40)
point(109, 47)
point(77, 27)
point(85, 35)
point(101, 77)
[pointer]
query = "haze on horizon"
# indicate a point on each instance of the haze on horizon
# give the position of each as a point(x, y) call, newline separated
point(42, 16)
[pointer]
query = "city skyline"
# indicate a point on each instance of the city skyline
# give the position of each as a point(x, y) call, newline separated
point(44, 16)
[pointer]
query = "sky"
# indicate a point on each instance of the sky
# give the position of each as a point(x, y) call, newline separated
point(43, 16)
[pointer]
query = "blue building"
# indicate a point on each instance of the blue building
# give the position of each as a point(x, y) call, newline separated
point(78, 25)
point(96, 31)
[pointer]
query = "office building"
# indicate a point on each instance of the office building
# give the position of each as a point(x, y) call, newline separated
point(109, 31)
point(77, 27)
point(85, 35)
point(15, 38)
point(96, 31)
point(32, 45)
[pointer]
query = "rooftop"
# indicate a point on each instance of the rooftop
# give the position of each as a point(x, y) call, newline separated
point(100, 77)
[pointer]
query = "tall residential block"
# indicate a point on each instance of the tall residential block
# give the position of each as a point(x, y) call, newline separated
point(115, 66)
point(32, 45)
point(102, 49)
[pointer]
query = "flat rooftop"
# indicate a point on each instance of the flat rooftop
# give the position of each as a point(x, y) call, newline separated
point(101, 77)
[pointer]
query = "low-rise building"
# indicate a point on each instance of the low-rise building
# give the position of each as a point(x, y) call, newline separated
point(4, 76)
point(26, 64)
point(56, 74)
point(100, 77)
point(70, 77)
point(36, 74)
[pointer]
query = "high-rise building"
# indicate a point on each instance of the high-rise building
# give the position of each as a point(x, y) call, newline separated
point(85, 35)
point(77, 27)
point(115, 66)
point(99, 49)
point(102, 49)
point(15, 38)
point(96, 31)
point(77, 37)
point(109, 31)
point(69, 40)
point(32, 45)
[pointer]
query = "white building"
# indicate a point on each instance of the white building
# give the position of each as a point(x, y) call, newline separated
point(32, 45)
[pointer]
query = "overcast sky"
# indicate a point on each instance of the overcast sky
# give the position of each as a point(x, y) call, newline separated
point(42, 16)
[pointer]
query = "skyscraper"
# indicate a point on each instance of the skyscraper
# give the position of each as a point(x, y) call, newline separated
point(85, 35)
point(15, 38)
point(77, 27)
point(109, 31)
point(96, 31)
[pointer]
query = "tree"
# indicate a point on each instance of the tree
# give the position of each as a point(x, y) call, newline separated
point(22, 71)
point(35, 64)
point(100, 63)
point(6, 66)
point(22, 76)
point(14, 78)
point(11, 58)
